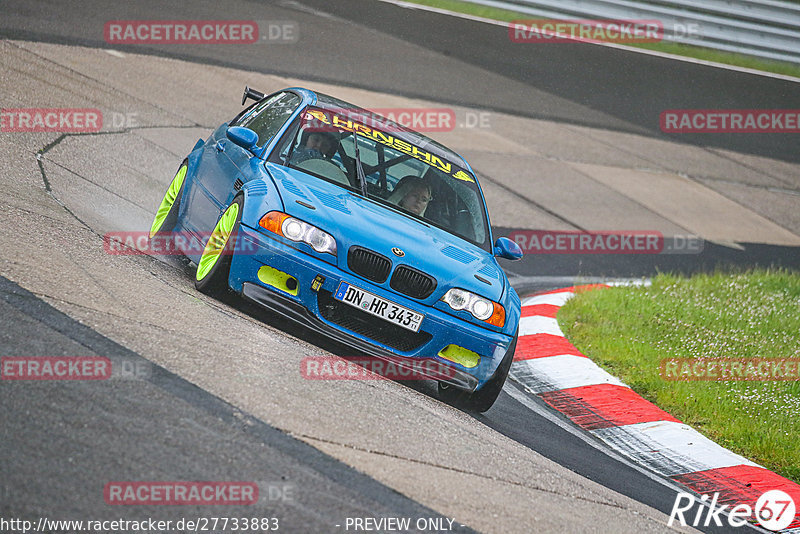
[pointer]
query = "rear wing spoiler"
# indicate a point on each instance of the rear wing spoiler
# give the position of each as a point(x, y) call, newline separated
point(252, 94)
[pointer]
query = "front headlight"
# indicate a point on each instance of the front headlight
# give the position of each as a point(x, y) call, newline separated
point(480, 308)
point(299, 231)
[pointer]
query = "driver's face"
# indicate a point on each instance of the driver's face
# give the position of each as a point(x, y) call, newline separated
point(416, 200)
point(322, 143)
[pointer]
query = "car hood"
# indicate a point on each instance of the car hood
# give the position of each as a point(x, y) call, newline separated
point(354, 220)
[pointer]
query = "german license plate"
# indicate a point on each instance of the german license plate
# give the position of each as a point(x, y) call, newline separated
point(375, 305)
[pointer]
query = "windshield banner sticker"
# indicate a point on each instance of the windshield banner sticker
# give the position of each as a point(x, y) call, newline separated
point(337, 122)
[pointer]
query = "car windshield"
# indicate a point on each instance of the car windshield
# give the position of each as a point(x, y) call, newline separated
point(417, 179)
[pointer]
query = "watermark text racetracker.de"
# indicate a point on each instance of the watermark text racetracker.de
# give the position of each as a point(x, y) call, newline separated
point(591, 31)
point(64, 120)
point(604, 242)
point(433, 119)
point(199, 32)
point(420, 119)
point(55, 368)
point(25, 368)
point(181, 493)
point(372, 368)
point(619, 31)
point(730, 369)
point(730, 121)
point(169, 244)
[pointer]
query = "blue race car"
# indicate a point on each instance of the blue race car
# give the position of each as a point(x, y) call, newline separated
point(357, 227)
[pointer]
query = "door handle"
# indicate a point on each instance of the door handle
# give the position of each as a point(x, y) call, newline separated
point(220, 146)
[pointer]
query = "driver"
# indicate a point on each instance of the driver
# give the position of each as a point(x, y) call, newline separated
point(413, 194)
point(318, 145)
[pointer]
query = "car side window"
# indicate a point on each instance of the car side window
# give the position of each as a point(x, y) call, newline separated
point(267, 117)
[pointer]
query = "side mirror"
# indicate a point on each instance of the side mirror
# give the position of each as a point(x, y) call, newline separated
point(244, 137)
point(505, 248)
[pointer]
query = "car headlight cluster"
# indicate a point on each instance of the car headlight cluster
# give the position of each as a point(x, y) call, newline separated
point(480, 308)
point(299, 231)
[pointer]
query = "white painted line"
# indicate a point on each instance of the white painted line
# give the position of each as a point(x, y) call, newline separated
point(114, 53)
point(410, 5)
point(669, 448)
point(536, 324)
point(553, 373)
point(556, 299)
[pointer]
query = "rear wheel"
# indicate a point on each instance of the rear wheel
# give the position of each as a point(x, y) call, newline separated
point(484, 398)
point(167, 215)
point(215, 262)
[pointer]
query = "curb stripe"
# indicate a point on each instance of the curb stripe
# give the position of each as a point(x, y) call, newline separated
point(556, 298)
point(669, 447)
point(560, 372)
point(543, 310)
point(740, 484)
point(529, 326)
point(604, 405)
point(549, 366)
point(543, 345)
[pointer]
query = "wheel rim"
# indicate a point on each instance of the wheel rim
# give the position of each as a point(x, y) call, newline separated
point(217, 241)
point(169, 200)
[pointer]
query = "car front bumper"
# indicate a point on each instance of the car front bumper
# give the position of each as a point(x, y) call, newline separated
point(317, 309)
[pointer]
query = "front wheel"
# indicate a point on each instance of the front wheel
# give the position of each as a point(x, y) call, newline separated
point(215, 262)
point(484, 398)
point(167, 215)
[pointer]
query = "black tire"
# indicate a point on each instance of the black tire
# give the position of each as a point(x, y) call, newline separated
point(214, 281)
point(484, 398)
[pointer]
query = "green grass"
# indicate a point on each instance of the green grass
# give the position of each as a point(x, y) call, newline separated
point(629, 330)
point(697, 52)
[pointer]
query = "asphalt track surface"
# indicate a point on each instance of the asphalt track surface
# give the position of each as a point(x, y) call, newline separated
point(574, 83)
point(59, 450)
point(379, 46)
point(614, 88)
point(176, 429)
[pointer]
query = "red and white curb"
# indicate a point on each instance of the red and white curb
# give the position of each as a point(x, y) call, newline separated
point(550, 367)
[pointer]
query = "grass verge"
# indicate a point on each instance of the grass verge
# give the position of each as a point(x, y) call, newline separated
point(756, 314)
point(696, 52)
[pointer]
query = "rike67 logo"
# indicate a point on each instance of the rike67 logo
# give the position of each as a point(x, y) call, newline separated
point(774, 510)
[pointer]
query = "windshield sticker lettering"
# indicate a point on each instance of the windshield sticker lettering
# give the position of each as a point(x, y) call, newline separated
point(393, 142)
point(312, 114)
point(461, 175)
point(390, 141)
